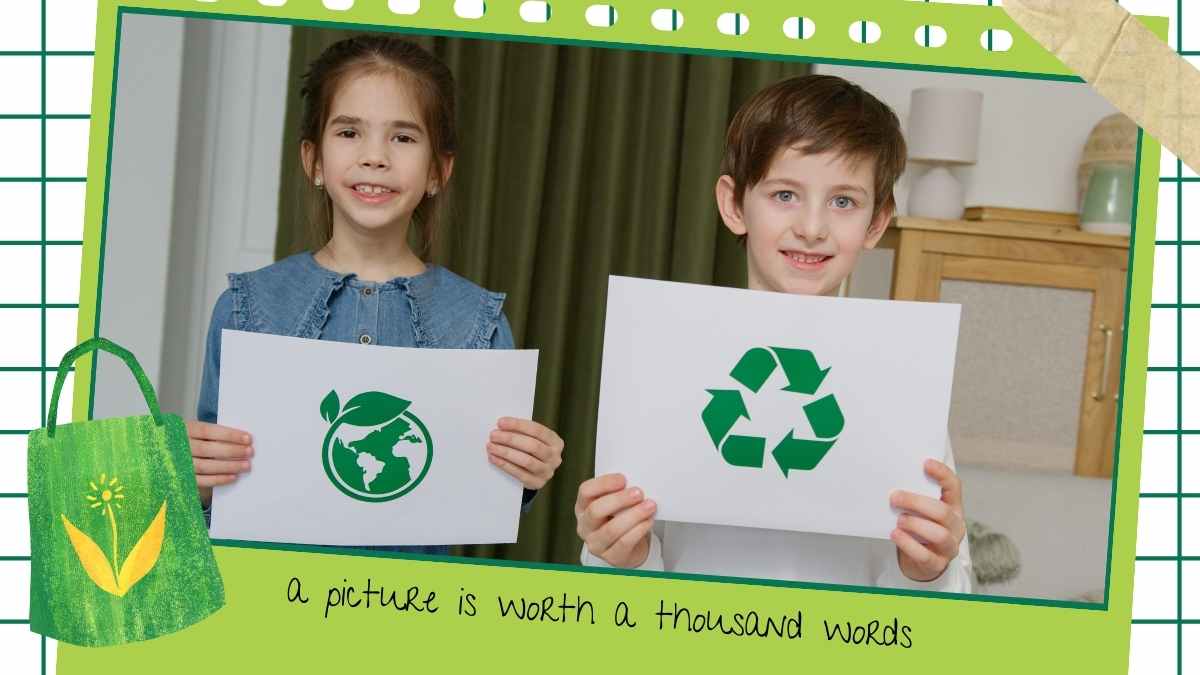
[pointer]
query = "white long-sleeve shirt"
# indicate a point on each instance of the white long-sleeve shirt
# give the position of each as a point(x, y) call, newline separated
point(792, 556)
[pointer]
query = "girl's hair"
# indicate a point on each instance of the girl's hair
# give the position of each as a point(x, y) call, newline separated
point(431, 84)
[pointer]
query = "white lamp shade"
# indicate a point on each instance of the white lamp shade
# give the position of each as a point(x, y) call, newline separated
point(943, 125)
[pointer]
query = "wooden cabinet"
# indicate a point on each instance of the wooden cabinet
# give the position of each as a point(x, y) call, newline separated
point(1035, 262)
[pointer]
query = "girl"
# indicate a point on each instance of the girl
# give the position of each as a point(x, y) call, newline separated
point(377, 146)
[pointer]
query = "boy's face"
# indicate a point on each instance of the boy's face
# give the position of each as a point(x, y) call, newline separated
point(805, 222)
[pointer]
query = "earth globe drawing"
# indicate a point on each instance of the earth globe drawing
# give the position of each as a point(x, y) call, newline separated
point(375, 449)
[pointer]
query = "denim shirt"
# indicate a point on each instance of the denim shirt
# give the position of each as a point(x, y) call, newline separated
point(299, 298)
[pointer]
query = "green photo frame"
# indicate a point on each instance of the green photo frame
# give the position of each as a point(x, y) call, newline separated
point(623, 619)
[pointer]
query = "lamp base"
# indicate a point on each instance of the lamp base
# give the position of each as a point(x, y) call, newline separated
point(937, 194)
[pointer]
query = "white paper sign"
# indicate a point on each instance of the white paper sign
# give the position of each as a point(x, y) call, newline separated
point(398, 458)
point(715, 400)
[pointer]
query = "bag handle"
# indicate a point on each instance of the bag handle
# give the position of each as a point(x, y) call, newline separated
point(91, 345)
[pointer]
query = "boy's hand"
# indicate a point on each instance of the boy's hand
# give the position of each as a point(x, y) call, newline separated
point(219, 455)
point(614, 521)
point(525, 450)
point(928, 534)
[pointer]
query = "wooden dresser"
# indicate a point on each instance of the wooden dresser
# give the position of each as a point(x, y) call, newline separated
point(1024, 260)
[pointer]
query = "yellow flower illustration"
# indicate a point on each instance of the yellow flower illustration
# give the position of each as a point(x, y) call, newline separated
point(113, 577)
point(106, 497)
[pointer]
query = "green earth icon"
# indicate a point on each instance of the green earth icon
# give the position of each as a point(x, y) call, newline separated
point(376, 449)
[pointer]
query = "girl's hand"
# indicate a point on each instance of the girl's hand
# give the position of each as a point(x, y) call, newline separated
point(219, 455)
point(614, 521)
point(928, 534)
point(525, 450)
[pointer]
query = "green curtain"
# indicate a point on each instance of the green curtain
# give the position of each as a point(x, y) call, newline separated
point(574, 163)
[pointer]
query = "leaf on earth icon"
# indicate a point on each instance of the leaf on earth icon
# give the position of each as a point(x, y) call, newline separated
point(372, 407)
point(138, 563)
point(330, 406)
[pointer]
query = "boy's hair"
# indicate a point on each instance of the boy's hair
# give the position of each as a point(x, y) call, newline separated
point(818, 113)
point(432, 85)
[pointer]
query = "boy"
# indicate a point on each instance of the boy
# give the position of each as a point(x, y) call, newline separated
point(806, 185)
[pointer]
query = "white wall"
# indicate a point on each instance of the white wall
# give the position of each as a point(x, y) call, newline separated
point(196, 150)
point(1031, 134)
point(240, 99)
point(139, 207)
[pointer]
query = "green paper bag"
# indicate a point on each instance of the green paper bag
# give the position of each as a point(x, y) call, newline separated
point(119, 548)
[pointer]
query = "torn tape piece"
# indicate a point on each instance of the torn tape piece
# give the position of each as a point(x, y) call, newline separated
point(1125, 62)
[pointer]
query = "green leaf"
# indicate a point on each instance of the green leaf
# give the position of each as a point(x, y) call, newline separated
point(372, 407)
point(330, 406)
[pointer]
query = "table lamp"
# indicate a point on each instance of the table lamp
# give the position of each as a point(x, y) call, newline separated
point(943, 132)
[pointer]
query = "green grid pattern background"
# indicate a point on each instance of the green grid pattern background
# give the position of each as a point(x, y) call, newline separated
point(1166, 610)
point(45, 65)
point(49, 43)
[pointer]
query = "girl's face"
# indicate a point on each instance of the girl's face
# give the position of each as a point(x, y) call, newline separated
point(376, 160)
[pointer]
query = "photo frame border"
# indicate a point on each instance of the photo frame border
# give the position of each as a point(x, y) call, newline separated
point(1025, 60)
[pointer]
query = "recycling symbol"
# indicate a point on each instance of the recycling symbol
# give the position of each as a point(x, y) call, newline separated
point(804, 376)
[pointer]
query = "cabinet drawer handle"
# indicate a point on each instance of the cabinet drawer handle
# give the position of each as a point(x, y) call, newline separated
point(1102, 392)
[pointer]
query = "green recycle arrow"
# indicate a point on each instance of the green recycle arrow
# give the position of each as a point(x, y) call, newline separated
point(825, 417)
point(753, 369)
point(804, 376)
point(722, 412)
point(799, 454)
point(744, 451)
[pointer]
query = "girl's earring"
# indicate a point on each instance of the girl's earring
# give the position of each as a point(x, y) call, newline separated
point(318, 182)
point(431, 193)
